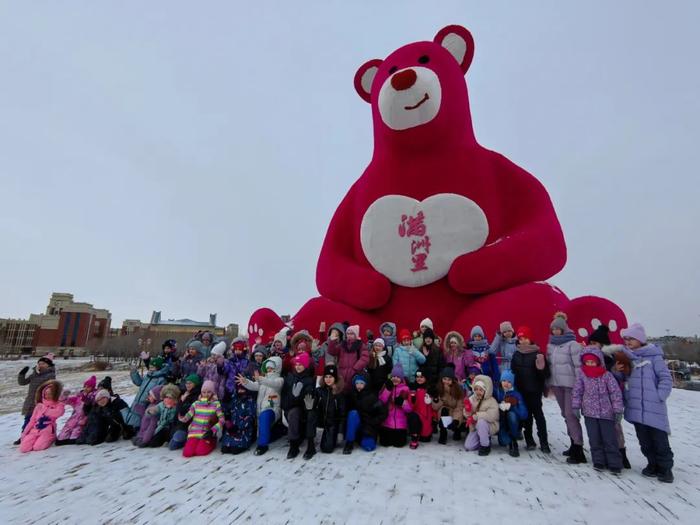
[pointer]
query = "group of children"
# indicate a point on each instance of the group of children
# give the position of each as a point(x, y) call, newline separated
point(396, 389)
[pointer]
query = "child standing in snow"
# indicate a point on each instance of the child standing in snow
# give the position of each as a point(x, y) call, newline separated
point(482, 417)
point(81, 404)
point(420, 419)
point(646, 391)
point(512, 412)
point(268, 386)
point(206, 419)
point(164, 414)
point(530, 369)
point(394, 395)
point(351, 355)
point(190, 362)
point(379, 366)
point(298, 385)
point(40, 432)
point(461, 358)
point(365, 416)
point(42, 372)
point(448, 405)
point(434, 362)
point(479, 346)
point(407, 355)
point(597, 395)
point(329, 408)
point(504, 345)
point(387, 333)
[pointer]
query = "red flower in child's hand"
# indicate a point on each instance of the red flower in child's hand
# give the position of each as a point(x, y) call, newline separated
point(467, 405)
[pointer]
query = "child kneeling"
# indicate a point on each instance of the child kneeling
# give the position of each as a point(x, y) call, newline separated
point(483, 417)
point(206, 416)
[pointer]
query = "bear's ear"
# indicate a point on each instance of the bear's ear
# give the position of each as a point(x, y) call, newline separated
point(364, 78)
point(459, 42)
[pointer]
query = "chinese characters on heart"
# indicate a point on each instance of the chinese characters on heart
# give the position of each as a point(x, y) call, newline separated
point(415, 229)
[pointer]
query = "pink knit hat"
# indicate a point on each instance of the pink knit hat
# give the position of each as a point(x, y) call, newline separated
point(101, 394)
point(90, 383)
point(635, 331)
point(209, 386)
point(303, 359)
point(355, 329)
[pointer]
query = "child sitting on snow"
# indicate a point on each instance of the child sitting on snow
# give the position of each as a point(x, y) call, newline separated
point(395, 396)
point(297, 385)
point(178, 429)
point(597, 395)
point(81, 404)
point(148, 420)
point(239, 428)
point(40, 432)
point(365, 416)
point(206, 418)
point(329, 408)
point(152, 378)
point(483, 418)
point(448, 405)
point(513, 412)
point(163, 414)
point(105, 422)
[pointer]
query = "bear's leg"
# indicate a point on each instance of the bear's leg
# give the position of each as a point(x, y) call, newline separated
point(585, 314)
point(264, 324)
point(530, 304)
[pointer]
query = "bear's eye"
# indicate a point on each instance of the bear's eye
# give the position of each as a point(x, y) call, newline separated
point(393, 70)
point(424, 59)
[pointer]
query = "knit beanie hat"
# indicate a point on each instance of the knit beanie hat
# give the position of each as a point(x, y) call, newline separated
point(219, 348)
point(404, 334)
point(331, 370)
point(259, 349)
point(209, 386)
point(48, 359)
point(157, 362)
point(507, 375)
point(429, 334)
point(101, 394)
point(559, 322)
point(197, 345)
point(378, 342)
point(635, 331)
point(170, 391)
point(525, 332)
point(194, 378)
point(448, 371)
point(600, 335)
point(303, 359)
point(477, 330)
point(397, 371)
point(168, 343)
point(480, 384)
point(359, 378)
point(155, 391)
point(354, 329)
point(427, 322)
point(91, 382)
point(106, 383)
point(505, 326)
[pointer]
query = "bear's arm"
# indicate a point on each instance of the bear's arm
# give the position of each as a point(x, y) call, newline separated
point(531, 247)
point(339, 276)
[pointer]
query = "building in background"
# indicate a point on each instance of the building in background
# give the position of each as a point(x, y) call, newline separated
point(17, 336)
point(159, 326)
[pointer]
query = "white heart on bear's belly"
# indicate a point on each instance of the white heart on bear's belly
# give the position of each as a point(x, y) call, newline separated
point(453, 224)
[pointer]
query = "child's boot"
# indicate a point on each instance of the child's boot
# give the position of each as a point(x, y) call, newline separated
point(665, 475)
point(261, 449)
point(567, 452)
point(576, 456)
point(484, 451)
point(293, 449)
point(310, 449)
point(650, 471)
point(443, 436)
point(625, 461)
point(414, 442)
point(513, 449)
point(347, 449)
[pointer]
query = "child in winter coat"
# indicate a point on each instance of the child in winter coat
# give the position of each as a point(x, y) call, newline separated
point(387, 333)
point(395, 396)
point(619, 365)
point(564, 360)
point(448, 405)
point(530, 369)
point(646, 391)
point(42, 372)
point(297, 389)
point(434, 361)
point(351, 355)
point(379, 366)
point(421, 417)
point(455, 354)
point(483, 416)
point(81, 404)
point(300, 343)
point(132, 415)
point(105, 422)
point(268, 385)
point(190, 362)
point(239, 428)
point(206, 418)
point(209, 369)
point(482, 354)
point(329, 408)
point(422, 327)
point(597, 395)
point(335, 333)
point(149, 421)
point(40, 432)
point(512, 412)
point(365, 416)
point(164, 415)
point(256, 363)
point(407, 355)
point(178, 429)
point(504, 345)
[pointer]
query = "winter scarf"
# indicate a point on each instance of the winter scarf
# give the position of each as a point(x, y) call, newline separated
point(561, 339)
point(380, 357)
point(593, 371)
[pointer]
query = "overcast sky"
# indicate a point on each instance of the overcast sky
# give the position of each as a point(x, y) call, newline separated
point(187, 157)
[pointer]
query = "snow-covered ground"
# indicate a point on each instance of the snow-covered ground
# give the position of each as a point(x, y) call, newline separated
point(117, 483)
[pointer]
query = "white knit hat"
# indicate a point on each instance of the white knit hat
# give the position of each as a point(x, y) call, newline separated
point(219, 348)
point(427, 322)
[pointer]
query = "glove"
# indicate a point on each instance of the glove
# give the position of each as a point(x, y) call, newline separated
point(389, 385)
point(308, 401)
point(144, 355)
point(505, 407)
point(398, 401)
point(24, 370)
point(618, 417)
point(512, 400)
point(576, 412)
point(208, 434)
point(427, 399)
point(296, 389)
point(539, 362)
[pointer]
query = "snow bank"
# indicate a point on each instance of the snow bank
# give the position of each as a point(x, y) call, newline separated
point(117, 483)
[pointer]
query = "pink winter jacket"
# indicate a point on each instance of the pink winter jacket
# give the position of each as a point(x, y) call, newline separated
point(40, 432)
point(78, 419)
point(397, 415)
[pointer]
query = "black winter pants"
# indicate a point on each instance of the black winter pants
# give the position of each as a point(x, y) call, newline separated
point(602, 439)
point(533, 402)
point(655, 446)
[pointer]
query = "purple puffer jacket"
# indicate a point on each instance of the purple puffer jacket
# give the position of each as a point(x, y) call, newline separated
point(647, 388)
point(597, 397)
point(230, 370)
point(78, 419)
point(397, 415)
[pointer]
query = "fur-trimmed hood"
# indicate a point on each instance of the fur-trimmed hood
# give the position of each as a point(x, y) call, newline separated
point(58, 386)
point(453, 335)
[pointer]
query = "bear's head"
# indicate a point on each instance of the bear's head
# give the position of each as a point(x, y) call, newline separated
point(418, 93)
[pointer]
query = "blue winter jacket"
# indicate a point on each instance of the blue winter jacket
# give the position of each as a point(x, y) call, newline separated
point(647, 388)
point(520, 409)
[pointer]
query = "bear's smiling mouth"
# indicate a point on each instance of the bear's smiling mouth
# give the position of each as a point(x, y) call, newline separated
point(424, 99)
